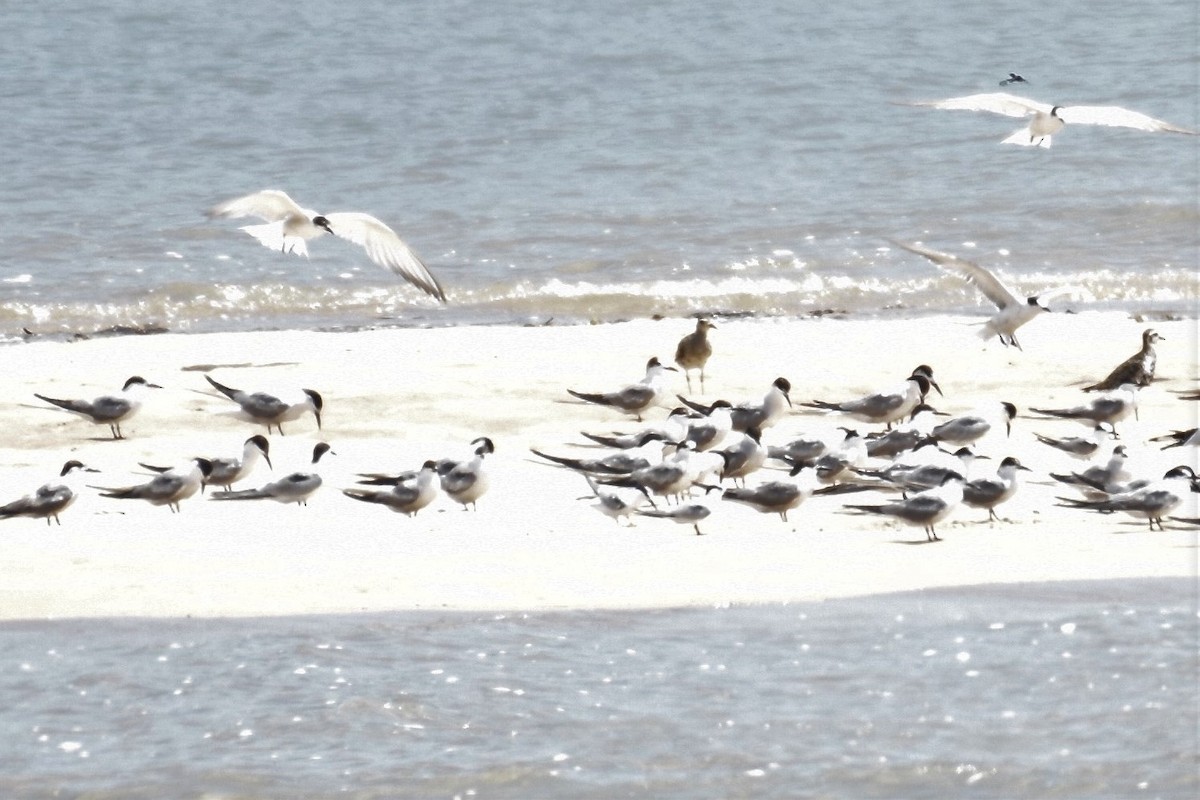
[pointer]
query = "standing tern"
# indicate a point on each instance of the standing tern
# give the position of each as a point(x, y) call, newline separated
point(888, 406)
point(1098, 478)
point(991, 491)
point(268, 409)
point(1108, 408)
point(693, 352)
point(777, 497)
point(1077, 446)
point(294, 488)
point(410, 492)
point(1152, 502)
point(636, 398)
point(168, 488)
point(970, 428)
point(1013, 313)
point(110, 410)
point(289, 227)
point(227, 471)
point(611, 504)
point(50, 499)
point(743, 457)
point(926, 508)
point(466, 481)
point(1138, 369)
point(1049, 119)
point(691, 514)
point(761, 415)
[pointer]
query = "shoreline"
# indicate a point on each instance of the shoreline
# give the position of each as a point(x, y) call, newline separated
point(397, 396)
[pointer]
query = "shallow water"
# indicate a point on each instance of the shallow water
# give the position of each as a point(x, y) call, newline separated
point(582, 162)
point(1043, 690)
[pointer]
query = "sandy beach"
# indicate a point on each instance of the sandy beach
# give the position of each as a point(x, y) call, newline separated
point(394, 398)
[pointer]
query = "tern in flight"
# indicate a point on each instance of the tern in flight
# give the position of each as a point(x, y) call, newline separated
point(288, 228)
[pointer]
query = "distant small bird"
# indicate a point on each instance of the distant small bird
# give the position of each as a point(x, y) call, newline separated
point(296, 487)
point(51, 498)
point(110, 410)
point(1013, 313)
point(410, 492)
point(636, 398)
point(691, 514)
point(1138, 369)
point(1013, 78)
point(169, 488)
point(289, 228)
point(1049, 119)
point(693, 352)
point(268, 409)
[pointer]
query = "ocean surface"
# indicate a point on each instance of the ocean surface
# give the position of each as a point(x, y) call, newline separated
point(576, 162)
point(1065, 690)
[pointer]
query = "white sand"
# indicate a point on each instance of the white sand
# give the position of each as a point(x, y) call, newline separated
point(397, 397)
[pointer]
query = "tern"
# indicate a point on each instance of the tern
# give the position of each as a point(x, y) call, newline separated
point(671, 477)
point(778, 497)
point(1151, 502)
point(926, 508)
point(744, 456)
point(467, 481)
point(970, 428)
point(613, 505)
point(690, 514)
point(1188, 438)
point(635, 398)
point(51, 498)
point(673, 428)
point(708, 431)
point(693, 352)
point(268, 409)
point(168, 488)
point(1048, 119)
point(761, 415)
point(1108, 408)
point(294, 488)
point(993, 490)
point(1077, 446)
point(1138, 369)
point(410, 491)
point(888, 406)
point(1098, 478)
point(289, 227)
point(904, 438)
point(228, 471)
point(1013, 312)
point(110, 410)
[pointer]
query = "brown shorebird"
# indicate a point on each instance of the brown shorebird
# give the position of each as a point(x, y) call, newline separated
point(693, 351)
point(1138, 369)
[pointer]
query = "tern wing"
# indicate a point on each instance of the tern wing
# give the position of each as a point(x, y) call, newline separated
point(996, 102)
point(271, 205)
point(385, 248)
point(1117, 117)
point(983, 280)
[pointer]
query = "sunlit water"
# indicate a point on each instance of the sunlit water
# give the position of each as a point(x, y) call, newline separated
point(583, 161)
point(1046, 690)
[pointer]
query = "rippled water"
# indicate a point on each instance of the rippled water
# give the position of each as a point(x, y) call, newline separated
point(1046, 690)
point(583, 161)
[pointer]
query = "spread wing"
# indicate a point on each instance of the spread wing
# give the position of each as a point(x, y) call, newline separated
point(995, 102)
point(1117, 117)
point(385, 248)
point(983, 280)
point(270, 205)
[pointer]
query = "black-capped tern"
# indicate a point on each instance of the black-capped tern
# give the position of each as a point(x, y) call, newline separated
point(927, 508)
point(1013, 312)
point(1151, 502)
point(1138, 369)
point(671, 429)
point(1106, 409)
point(169, 488)
point(887, 407)
point(761, 415)
point(775, 497)
point(989, 492)
point(466, 481)
point(296, 487)
point(1083, 447)
point(410, 492)
point(1047, 120)
point(689, 514)
point(743, 457)
point(289, 228)
point(970, 428)
point(228, 471)
point(636, 398)
point(110, 410)
point(1099, 477)
point(269, 410)
point(51, 498)
point(693, 352)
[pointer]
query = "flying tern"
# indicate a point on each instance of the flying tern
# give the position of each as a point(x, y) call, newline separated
point(110, 410)
point(296, 487)
point(1013, 312)
point(1047, 120)
point(289, 227)
point(1013, 78)
point(269, 410)
point(51, 498)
